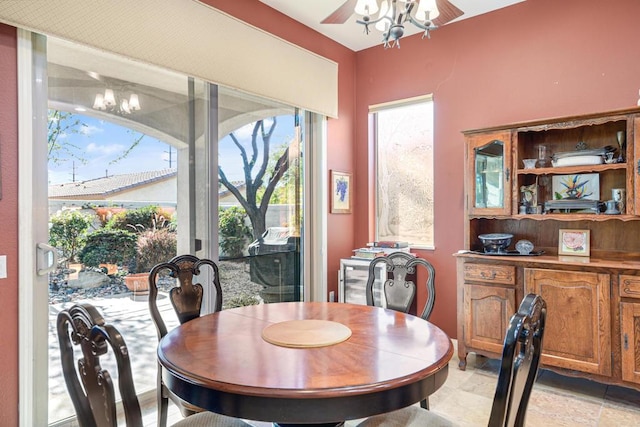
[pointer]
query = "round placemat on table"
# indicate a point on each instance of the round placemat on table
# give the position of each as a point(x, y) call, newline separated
point(306, 333)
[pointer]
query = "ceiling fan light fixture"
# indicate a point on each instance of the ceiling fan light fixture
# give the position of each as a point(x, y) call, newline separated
point(134, 102)
point(366, 7)
point(385, 17)
point(427, 10)
point(98, 103)
point(392, 17)
point(124, 106)
point(116, 103)
point(109, 98)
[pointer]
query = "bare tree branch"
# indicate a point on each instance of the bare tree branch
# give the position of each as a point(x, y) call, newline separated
point(254, 184)
point(266, 144)
point(281, 167)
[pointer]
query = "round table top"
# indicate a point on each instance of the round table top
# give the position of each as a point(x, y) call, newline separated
point(223, 356)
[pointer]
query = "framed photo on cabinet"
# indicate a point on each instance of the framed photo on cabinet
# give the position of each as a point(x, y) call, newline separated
point(574, 242)
point(340, 192)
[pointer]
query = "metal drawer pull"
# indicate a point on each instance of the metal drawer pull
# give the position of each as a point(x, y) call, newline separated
point(490, 277)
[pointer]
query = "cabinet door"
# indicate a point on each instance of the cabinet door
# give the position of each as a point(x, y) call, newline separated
point(578, 326)
point(630, 340)
point(489, 173)
point(487, 310)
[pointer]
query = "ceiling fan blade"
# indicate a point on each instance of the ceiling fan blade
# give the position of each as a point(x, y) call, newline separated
point(341, 14)
point(448, 12)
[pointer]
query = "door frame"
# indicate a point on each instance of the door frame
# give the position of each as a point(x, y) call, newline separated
point(33, 305)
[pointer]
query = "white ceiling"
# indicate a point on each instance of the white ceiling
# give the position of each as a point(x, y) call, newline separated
point(351, 34)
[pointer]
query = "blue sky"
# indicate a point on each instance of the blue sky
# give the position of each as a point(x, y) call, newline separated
point(101, 143)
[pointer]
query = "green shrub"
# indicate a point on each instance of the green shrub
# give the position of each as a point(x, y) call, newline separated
point(135, 220)
point(107, 246)
point(155, 246)
point(68, 231)
point(233, 231)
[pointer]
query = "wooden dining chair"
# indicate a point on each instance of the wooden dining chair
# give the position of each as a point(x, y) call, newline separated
point(186, 299)
point(518, 369)
point(399, 292)
point(94, 399)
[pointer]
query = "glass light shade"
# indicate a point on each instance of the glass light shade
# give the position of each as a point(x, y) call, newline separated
point(98, 103)
point(385, 10)
point(366, 7)
point(427, 9)
point(124, 106)
point(109, 98)
point(134, 102)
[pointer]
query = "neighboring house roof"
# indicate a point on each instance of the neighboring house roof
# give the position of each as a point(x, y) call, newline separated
point(101, 187)
point(224, 193)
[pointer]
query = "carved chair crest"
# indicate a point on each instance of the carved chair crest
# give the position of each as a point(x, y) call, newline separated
point(186, 296)
point(399, 291)
point(94, 399)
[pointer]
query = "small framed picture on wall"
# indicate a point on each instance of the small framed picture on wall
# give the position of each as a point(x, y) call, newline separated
point(340, 192)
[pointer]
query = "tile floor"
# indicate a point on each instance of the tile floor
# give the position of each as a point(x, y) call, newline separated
point(556, 400)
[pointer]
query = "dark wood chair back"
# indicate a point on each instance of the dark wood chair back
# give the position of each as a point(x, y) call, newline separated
point(520, 361)
point(186, 296)
point(518, 370)
point(186, 299)
point(398, 290)
point(94, 400)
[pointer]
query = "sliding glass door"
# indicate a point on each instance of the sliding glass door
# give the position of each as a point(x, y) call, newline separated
point(260, 197)
point(218, 172)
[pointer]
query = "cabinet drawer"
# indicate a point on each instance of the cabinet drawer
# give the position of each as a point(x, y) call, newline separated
point(490, 273)
point(629, 286)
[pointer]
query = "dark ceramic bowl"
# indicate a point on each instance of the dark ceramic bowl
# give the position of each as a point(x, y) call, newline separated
point(495, 242)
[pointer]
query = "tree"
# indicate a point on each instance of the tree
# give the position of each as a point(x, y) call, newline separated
point(233, 231)
point(282, 191)
point(68, 232)
point(253, 204)
point(59, 124)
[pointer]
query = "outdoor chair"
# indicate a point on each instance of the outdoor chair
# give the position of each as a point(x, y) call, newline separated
point(399, 292)
point(186, 299)
point(94, 399)
point(518, 370)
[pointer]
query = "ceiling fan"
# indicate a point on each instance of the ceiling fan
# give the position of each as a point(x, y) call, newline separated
point(448, 12)
point(393, 16)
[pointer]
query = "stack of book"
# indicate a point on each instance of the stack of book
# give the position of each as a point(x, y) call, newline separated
point(367, 253)
point(381, 248)
point(389, 246)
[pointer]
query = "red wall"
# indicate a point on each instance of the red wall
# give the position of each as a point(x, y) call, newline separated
point(9, 227)
point(536, 59)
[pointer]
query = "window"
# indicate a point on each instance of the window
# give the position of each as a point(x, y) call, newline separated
point(404, 171)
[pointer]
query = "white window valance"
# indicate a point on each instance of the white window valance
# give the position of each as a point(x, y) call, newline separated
point(192, 38)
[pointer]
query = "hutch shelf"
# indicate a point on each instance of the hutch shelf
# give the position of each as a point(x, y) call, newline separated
point(593, 302)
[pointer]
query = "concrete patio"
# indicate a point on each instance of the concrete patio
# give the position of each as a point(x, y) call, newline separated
point(131, 317)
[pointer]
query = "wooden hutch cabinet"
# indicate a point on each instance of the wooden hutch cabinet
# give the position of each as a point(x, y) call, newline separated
point(593, 303)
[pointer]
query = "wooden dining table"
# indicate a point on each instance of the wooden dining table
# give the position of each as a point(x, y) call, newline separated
point(305, 363)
